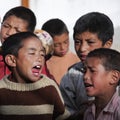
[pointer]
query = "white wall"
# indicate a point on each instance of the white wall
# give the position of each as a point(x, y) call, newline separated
point(69, 11)
point(5, 5)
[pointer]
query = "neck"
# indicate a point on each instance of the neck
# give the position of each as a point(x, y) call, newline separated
point(14, 78)
point(101, 102)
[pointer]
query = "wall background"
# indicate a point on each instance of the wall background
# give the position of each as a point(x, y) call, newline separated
point(69, 11)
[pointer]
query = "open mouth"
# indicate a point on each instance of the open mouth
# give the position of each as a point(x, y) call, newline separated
point(88, 85)
point(83, 57)
point(36, 70)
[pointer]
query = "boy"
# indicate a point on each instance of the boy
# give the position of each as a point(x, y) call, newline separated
point(47, 43)
point(62, 58)
point(91, 31)
point(27, 94)
point(101, 78)
point(17, 19)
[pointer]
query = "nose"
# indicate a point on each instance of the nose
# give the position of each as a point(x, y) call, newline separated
point(40, 58)
point(62, 46)
point(83, 47)
point(86, 76)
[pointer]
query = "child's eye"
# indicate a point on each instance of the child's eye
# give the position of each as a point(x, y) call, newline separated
point(90, 42)
point(66, 42)
point(5, 25)
point(93, 71)
point(18, 31)
point(31, 53)
point(77, 42)
point(56, 45)
point(42, 54)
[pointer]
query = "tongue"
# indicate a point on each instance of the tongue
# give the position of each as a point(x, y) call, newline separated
point(35, 71)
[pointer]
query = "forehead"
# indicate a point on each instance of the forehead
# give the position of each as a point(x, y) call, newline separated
point(93, 61)
point(61, 38)
point(32, 42)
point(87, 35)
point(16, 21)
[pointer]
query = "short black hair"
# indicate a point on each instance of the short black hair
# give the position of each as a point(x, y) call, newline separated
point(14, 42)
point(95, 22)
point(23, 13)
point(55, 27)
point(110, 58)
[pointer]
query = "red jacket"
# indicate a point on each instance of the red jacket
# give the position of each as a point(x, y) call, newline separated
point(3, 68)
point(45, 71)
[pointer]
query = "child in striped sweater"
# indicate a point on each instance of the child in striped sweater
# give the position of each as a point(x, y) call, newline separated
point(26, 94)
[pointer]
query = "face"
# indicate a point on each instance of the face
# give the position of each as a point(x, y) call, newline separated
point(97, 80)
point(86, 42)
point(11, 26)
point(61, 44)
point(30, 61)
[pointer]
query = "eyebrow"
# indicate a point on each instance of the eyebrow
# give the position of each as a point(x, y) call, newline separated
point(34, 49)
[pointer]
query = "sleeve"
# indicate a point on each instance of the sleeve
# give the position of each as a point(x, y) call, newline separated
point(60, 112)
point(117, 112)
point(73, 91)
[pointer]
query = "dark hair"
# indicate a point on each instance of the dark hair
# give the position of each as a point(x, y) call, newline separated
point(13, 43)
point(55, 27)
point(23, 13)
point(110, 58)
point(95, 22)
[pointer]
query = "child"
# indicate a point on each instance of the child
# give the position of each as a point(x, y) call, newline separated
point(92, 30)
point(17, 19)
point(26, 94)
point(62, 58)
point(47, 43)
point(101, 79)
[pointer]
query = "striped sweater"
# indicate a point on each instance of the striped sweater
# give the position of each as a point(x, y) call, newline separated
point(31, 101)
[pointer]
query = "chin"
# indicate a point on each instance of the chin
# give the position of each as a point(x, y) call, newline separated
point(32, 80)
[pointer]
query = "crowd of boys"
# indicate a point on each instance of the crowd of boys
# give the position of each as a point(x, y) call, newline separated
point(40, 78)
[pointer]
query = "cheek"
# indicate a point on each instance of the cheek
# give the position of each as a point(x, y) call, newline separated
point(67, 47)
point(99, 80)
point(77, 47)
point(43, 61)
point(91, 48)
point(68, 44)
point(95, 46)
point(25, 60)
point(2, 33)
point(56, 49)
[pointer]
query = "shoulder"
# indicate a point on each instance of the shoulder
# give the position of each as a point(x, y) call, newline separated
point(77, 66)
point(44, 82)
point(73, 55)
point(47, 81)
point(117, 108)
point(74, 74)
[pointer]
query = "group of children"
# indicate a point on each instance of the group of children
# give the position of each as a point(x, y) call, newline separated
point(42, 79)
point(91, 31)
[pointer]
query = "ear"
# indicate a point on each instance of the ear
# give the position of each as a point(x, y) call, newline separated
point(10, 60)
point(108, 44)
point(115, 77)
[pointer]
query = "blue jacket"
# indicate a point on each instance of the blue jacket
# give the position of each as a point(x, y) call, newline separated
point(73, 89)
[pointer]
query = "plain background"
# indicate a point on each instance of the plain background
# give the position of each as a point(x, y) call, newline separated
point(69, 11)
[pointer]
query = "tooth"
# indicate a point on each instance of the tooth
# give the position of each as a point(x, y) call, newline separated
point(38, 66)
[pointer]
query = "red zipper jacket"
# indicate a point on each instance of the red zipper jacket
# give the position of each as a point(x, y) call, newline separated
point(3, 68)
